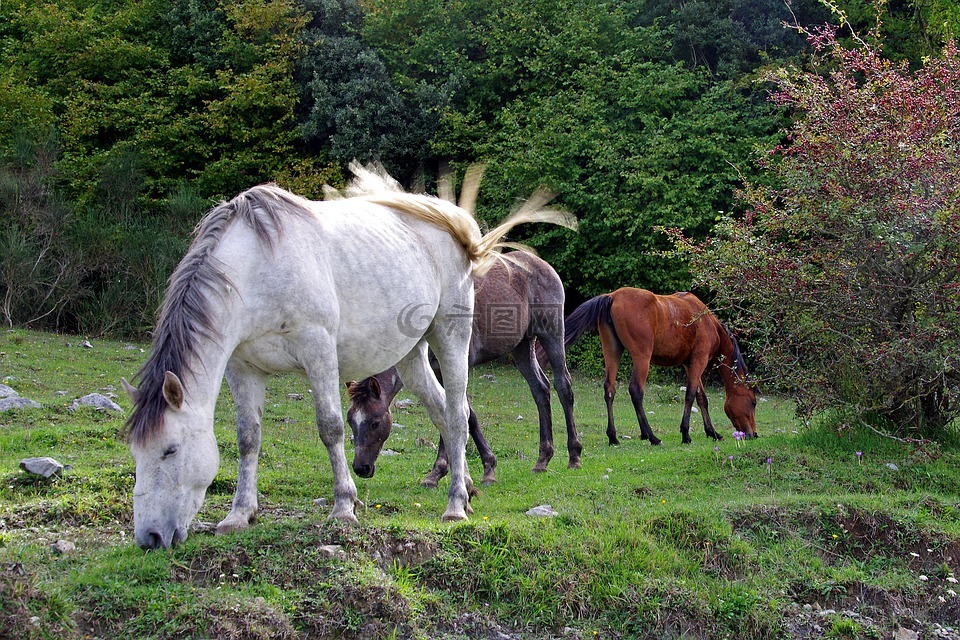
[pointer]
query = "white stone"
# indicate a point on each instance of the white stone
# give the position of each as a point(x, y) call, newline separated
point(46, 467)
point(543, 511)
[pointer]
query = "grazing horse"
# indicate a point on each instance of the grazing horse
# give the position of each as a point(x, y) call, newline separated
point(666, 331)
point(518, 303)
point(273, 282)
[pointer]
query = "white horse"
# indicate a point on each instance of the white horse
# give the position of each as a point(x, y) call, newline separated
point(275, 283)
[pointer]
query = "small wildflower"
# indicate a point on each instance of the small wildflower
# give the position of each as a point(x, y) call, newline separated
point(417, 505)
point(951, 579)
point(859, 456)
point(924, 578)
point(486, 517)
point(379, 506)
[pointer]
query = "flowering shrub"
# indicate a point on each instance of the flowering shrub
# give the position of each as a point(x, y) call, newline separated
point(844, 270)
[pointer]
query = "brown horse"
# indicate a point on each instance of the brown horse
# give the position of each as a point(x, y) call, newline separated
point(666, 331)
point(518, 304)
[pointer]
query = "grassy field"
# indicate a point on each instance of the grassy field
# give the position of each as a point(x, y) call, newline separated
point(790, 535)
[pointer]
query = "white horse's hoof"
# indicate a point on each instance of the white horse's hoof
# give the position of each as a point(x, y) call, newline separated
point(453, 516)
point(345, 518)
point(234, 523)
point(346, 513)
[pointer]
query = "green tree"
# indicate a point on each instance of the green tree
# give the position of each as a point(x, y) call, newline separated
point(632, 149)
point(729, 37)
point(349, 106)
point(149, 101)
point(582, 97)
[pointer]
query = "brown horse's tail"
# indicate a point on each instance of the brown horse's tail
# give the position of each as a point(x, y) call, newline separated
point(587, 317)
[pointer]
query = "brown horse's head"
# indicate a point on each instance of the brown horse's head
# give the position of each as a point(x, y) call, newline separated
point(741, 403)
point(370, 419)
point(741, 407)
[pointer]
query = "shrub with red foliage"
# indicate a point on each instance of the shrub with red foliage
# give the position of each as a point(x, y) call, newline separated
point(844, 269)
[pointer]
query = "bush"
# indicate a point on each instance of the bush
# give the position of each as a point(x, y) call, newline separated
point(846, 267)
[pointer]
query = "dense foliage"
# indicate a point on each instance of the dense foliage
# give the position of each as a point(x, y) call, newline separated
point(847, 268)
point(121, 122)
point(127, 119)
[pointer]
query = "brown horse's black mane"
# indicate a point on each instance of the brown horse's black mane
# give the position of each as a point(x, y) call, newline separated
point(739, 364)
point(359, 392)
point(185, 316)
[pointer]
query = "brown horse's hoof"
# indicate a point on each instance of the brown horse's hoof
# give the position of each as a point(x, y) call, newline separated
point(573, 464)
point(655, 441)
point(429, 483)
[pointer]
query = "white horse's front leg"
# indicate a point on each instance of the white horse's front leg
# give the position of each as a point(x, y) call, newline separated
point(248, 388)
point(450, 417)
point(326, 395)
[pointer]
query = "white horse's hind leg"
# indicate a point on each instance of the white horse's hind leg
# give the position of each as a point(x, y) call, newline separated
point(247, 387)
point(418, 377)
point(323, 378)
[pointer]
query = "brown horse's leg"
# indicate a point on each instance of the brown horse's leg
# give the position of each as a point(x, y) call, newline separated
point(707, 423)
point(553, 345)
point(688, 397)
point(638, 382)
point(525, 360)
point(694, 372)
point(440, 467)
point(486, 453)
point(612, 352)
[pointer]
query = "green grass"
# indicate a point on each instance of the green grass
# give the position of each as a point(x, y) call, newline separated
point(666, 542)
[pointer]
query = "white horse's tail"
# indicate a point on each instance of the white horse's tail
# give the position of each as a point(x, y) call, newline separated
point(533, 209)
point(375, 185)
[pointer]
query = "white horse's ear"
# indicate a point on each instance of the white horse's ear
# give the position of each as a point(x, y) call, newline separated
point(375, 388)
point(132, 391)
point(173, 390)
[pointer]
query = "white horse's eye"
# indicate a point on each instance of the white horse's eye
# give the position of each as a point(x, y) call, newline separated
point(172, 449)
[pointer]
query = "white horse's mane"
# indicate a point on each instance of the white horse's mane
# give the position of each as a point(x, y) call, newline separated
point(374, 183)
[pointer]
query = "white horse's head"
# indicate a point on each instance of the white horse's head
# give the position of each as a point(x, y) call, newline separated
point(176, 460)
